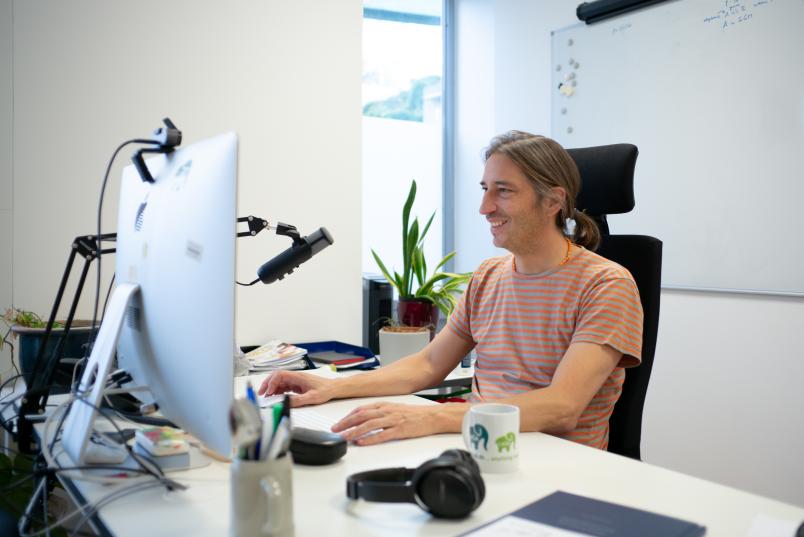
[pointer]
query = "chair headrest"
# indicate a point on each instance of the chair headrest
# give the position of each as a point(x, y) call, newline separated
point(607, 178)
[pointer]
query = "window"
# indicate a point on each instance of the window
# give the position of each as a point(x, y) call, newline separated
point(403, 62)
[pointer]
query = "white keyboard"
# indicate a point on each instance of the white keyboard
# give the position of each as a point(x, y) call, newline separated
point(309, 418)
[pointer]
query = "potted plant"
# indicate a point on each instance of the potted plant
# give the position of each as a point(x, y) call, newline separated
point(421, 295)
point(30, 329)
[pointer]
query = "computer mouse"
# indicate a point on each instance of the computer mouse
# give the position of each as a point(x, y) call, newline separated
point(314, 447)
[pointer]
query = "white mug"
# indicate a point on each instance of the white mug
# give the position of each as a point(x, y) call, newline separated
point(261, 498)
point(491, 434)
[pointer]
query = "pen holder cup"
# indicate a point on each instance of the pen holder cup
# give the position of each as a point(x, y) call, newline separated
point(261, 499)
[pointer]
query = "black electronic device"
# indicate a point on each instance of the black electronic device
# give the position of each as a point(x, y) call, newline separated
point(449, 486)
point(378, 298)
point(316, 448)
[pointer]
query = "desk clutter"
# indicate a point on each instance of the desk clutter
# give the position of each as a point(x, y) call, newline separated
point(261, 499)
point(276, 354)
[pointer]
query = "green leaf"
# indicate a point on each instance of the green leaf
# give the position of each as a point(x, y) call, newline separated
point(419, 265)
point(444, 261)
point(426, 228)
point(427, 287)
point(406, 212)
point(384, 270)
point(408, 252)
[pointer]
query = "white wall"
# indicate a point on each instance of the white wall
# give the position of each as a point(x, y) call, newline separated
point(5, 175)
point(284, 75)
point(725, 394)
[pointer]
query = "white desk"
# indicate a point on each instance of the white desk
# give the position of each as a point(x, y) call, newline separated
point(546, 464)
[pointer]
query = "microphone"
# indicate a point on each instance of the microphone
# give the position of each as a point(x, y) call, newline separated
point(303, 249)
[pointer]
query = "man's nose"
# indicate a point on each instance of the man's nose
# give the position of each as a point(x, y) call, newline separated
point(486, 204)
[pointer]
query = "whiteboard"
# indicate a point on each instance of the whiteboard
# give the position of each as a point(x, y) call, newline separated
point(712, 94)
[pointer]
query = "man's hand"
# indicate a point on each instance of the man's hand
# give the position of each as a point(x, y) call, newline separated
point(311, 389)
point(397, 421)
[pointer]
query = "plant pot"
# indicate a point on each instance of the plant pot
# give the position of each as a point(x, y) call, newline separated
point(30, 341)
point(398, 342)
point(417, 312)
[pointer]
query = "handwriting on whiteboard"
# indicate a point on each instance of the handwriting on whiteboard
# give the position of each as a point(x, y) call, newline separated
point(734, 12)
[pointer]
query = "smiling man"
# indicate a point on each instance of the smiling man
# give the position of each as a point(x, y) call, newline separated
point(553, 324)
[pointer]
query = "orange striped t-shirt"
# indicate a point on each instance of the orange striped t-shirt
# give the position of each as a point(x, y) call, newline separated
point(521, 326)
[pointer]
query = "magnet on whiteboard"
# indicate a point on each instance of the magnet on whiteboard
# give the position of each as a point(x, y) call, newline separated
point(566, 90)
point(576, 65)
point(563, 111)
point(571, 62)
point(558, 67)
point(570, 43)
point(569, 130)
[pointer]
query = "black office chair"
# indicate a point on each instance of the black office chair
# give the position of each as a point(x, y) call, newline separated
point(607, 187)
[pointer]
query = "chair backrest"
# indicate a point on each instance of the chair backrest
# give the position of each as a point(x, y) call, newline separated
point(607, 187)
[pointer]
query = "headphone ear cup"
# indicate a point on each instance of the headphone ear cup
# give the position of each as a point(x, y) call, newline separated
point(447, 492)
point(465, 460)
point(463, 456)
point(450, 486)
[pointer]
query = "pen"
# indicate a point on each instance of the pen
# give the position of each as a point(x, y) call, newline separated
point(253, 398)
point(277, 415)
point(280, 440)
point(250, 392)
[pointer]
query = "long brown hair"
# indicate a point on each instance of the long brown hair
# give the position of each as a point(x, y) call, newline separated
point(548, 165)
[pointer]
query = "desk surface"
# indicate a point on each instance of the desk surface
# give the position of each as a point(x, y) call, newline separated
point(547, 464)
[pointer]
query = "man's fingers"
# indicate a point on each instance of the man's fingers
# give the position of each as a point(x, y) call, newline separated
point(356, 417)
point(367, 427)
point(308, 398)
point(378, 437)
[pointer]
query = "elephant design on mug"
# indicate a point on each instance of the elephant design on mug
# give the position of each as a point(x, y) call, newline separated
point(505, 442)
point(478, 433)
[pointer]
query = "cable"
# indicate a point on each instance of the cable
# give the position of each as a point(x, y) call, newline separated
point(44, 507)
point(7, 341)
point(130, 489)
point(83, 360)
point(247, 284)
point(148, 467)
point(134, 488)
point(10, 379)
point(93, 329)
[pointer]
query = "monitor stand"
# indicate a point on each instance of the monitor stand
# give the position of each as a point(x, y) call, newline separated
point(78, 427)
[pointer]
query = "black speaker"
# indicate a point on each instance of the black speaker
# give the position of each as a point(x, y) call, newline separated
point(449, 486)
point(378, 298)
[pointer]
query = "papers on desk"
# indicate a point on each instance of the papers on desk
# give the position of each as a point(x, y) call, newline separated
point(567, 515)
point(276, 355)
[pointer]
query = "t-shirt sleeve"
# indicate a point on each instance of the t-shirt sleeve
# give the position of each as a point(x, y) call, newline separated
point(611, 314)
point(460, 319)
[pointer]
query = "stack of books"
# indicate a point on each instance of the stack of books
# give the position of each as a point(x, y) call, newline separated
point(338, 361)
point(276, 355)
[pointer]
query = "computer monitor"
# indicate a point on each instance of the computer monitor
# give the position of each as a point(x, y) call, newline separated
point(174, 298)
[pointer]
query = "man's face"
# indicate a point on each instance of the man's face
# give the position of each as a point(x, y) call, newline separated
point(517, 215)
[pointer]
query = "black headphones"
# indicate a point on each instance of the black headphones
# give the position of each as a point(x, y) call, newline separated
point(449, 486)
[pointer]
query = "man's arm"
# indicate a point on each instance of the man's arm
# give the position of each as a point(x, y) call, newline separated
point(578, 377)
point(553, 409)
point(416, 372)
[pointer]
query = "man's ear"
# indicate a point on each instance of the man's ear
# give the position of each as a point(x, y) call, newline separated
point(555, 201)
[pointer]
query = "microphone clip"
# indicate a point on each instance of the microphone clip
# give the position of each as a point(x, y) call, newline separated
point(289, 231)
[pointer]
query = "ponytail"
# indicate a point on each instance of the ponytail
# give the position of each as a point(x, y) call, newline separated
point(586, 232)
